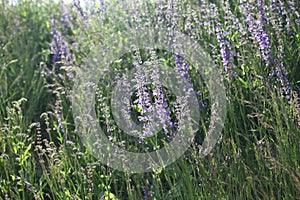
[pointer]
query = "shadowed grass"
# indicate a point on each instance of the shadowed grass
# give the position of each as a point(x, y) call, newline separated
point(42, 156)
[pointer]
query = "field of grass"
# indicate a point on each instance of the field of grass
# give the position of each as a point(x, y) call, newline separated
point(254, 45)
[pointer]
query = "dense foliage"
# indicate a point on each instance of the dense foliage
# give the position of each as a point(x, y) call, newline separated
point(254, 43)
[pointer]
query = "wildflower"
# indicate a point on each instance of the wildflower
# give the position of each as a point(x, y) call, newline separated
point(66, 18)
point(182, 68)
point(278, 66)
point(59, 46)
point(57, 112)
point(79, 8)
point(160, 103)
point(256, 28)
point(142, 93)
point(225, 47)
point(147, 194)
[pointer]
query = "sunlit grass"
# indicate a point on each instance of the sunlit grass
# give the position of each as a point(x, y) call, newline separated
point(42, 156)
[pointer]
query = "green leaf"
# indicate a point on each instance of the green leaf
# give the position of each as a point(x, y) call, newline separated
point(244, 83)
point(25, 155)
point(11, 62)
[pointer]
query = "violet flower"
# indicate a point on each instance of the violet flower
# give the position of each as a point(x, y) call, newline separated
point(59, 46)
point(160, 103)
point(256, 28)
point(225, 48)
point(80, 10)
point(66, 18)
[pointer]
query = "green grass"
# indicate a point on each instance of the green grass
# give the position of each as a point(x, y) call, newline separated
point(257, 157)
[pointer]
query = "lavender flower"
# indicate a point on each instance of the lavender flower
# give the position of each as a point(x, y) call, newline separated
point(207, 14)
point(66, 18)
point(262, 11)
point(57, 112)
point(104, 109)
point(142, 93)
point(225, 48)
point(296, 103)
point(59, 46)
point(79, 8)
point(125, 110)
point(255, 27)
point(282, 76)
point(147, 194)
point(279, 68)
point(183, 68)
point(159, 97)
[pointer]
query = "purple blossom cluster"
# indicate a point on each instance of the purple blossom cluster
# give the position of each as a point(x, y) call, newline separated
point(147, 193)
point(79, 8)
point(143, 94)
point(66, 17)
point(255, 27)
point(208, 14)
point(61, 52)
point(57, 112)
point(160, 102)
point(104, 109)
point(59, 46)
point(232, 23)
point(62, 58)
point(282, 77)
point(277, 12)
point(262, 8)
point(216, 25)
point(183, 69)
point(225, 48)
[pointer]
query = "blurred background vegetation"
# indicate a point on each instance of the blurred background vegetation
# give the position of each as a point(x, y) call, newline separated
point(41, 157)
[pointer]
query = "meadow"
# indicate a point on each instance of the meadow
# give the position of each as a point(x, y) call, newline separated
point(49, 49)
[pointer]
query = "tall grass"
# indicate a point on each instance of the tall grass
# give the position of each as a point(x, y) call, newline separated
point(256, 44)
